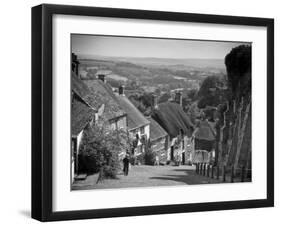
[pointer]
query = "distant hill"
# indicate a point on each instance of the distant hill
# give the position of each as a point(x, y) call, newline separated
point(152, 72)
point(192, 63)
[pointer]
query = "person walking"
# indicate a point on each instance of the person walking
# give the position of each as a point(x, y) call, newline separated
point(126, 165)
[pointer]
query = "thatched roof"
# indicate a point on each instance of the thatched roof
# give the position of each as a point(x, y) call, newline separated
point(82, 90)
point(103, 94)
point(81, 115)
point(89, 96)
point(172, 118)
point(156, 131)
point(135, 118)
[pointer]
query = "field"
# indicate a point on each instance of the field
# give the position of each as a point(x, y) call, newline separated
point(176, 73)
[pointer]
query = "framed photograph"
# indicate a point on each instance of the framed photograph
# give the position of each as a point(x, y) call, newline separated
point(145, 112)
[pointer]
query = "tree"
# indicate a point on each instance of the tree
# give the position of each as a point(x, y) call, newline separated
point(192, 94)
point(194, 113)
point(164, 98)
point(208, 85)
point(239, 67)
point(211, 92)
point(209, 113)
point(138, 103)
point(100, 150)
point(146, 99)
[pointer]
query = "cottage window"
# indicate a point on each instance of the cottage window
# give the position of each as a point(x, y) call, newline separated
point(142, 130)
point(113, 126)
point(120, 123)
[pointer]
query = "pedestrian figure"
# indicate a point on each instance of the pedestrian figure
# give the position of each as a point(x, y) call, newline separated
point(101, 174)
point(156, 162)
point(126, 165)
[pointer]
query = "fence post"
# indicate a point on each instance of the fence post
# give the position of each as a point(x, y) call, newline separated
point(212, 172)
point(243, 174)
point(204, 169)
point(218, 172)
point(232, 174)
point(224, 168)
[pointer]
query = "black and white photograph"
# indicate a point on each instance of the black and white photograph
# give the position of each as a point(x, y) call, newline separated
point(145, 112)
point(136, 113)
point(151, 112)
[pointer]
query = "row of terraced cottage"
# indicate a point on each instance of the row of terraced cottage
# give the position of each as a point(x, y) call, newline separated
point(168, 132)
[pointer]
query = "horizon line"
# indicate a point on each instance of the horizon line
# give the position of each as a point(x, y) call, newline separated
point(174, 58)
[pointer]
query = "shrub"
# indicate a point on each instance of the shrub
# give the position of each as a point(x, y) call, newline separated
point(149, 157)
point(100, 150)
point(133, 160)
point(140, 159)
point(110, 171)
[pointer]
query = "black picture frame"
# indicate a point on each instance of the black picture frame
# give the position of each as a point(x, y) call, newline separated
point(42, 107)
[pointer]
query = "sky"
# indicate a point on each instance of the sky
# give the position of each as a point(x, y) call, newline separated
point(114, 46)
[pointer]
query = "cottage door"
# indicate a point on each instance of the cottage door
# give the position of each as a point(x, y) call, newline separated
point(172, 153)
point(183, 158)
point(74, 155)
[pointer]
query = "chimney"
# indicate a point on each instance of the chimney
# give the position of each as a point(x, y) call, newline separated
point(154, 102)
point(178, 98)
point(173, 97)
point(75, 64)
point(121, 90)
point(102, 77)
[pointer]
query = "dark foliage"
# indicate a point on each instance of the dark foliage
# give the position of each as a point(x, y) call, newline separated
point(194, 112)
point(192, 94)
point(164, 98)
point(146, 99)
point(209, 83)
point(100, 150)
point(238, 65)
point(149, 157)
point(211, 92)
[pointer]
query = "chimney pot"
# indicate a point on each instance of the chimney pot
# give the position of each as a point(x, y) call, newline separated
point(154, 102)
point(75, 64)
point(178, 98)
point(121, 90)
point(101, 77)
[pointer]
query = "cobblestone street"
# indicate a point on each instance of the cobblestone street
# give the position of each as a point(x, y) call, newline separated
point(147, 176)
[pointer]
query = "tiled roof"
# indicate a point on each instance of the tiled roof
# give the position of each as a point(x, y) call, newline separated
point(81, 114)
point(134, 117)
point(204, 131)
point(156, 131)
point(103, 94)
point(172, 118)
